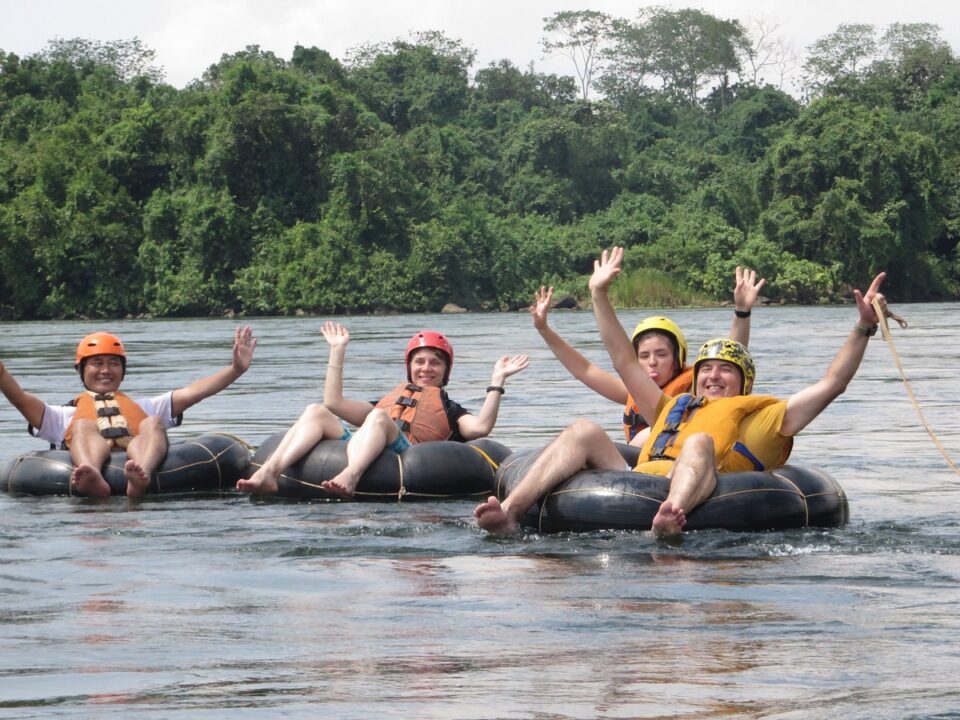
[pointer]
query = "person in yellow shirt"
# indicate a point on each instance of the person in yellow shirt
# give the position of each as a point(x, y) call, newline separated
point(719, 427)
point(660, 347)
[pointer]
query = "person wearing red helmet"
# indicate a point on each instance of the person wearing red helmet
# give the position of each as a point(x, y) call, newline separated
point(660, 347)
point(417, 410)
point(102, 419)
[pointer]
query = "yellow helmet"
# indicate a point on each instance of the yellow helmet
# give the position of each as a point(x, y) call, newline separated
point(732, 352)
point(667, 327)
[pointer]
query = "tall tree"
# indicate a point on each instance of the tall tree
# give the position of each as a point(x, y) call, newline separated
point(581, 36)
point(842, 53)
point(129, 58)
point(688, 47)
point(767, 56)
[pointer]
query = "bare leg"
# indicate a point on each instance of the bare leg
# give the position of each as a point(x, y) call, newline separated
point(89, 451)
point(693, 480)
point(314, 424)
point(376, 433)
point(144, 455)
point(581, 444)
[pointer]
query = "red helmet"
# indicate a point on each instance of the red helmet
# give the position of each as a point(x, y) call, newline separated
point(430, 339)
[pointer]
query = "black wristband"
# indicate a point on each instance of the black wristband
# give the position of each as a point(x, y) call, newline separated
point(742, 313)
point(865, 330)
point(496, 388)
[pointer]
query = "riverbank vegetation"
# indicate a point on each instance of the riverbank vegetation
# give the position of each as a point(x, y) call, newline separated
point(404, 177)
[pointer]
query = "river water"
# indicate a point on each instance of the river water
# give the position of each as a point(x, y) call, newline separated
point(232, 607)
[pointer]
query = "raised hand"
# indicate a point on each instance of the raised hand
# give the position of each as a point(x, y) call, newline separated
point(541, 306)
point(244, 343)
point(335, 334)
point(868, 315)
point(507, 366)
point(747, 289)
point(606, 269)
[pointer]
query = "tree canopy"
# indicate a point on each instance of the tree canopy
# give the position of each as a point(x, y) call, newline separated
point(404, 178)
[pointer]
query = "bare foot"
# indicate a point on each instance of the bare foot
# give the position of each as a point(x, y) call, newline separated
point(87, 480)
point(493, 518)
point(343, 485)
point(137, 479)
point(669, 520)
point(262, 482)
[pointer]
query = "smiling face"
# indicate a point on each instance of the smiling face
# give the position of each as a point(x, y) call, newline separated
point(428, 366)
point(102, 373)
point(718, 379)
point(657, 356)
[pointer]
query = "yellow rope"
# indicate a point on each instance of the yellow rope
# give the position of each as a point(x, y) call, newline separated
point(490, 460)
point(883, 314)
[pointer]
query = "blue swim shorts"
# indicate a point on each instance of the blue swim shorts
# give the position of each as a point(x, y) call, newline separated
point(398, 446)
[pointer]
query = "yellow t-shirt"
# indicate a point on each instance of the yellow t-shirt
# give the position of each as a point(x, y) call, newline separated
point(759, 431)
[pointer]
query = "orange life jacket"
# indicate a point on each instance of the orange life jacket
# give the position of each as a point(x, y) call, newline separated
point(720, 418)
point(419, 411)
point(633, 421)
point(117, 416)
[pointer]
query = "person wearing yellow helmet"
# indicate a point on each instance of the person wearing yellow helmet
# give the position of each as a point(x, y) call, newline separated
point(719, 427)
point(102, 418)
point(659, 345)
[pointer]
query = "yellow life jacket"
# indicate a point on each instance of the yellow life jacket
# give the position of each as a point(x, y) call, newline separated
point(685, 415)
point(634, 422)
point(418, 411)
point(117, 416)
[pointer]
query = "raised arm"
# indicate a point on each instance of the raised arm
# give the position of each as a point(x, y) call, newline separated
point(805, 405)
point(481, 424)
point(244, 343)
point(30, 406)
point(644, 390)
point(353, 411)
point(745, 294)
point(600, 381)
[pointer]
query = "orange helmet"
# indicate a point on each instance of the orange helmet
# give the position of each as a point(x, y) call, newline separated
point(100, 343)
point(430, 339)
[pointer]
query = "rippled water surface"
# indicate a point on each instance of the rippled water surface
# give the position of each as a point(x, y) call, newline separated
point(227, 607)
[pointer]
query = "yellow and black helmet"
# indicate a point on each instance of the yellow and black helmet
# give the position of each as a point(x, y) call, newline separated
point(667, 327)
point(732, 352)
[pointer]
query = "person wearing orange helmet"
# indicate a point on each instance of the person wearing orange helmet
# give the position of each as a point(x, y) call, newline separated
point(659, 345)
point(416, 410)
point(717, 427)
point(102, 418)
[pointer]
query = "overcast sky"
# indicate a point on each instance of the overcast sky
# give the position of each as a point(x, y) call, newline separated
point(190, 35)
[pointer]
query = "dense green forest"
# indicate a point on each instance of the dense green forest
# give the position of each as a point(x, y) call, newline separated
point(404, 177)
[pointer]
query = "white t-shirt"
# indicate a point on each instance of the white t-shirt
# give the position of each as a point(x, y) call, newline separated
point(56, 418)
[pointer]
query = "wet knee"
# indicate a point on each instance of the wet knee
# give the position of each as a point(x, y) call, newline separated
point(378, 418)
point(316, 412)
point(151, 424)
point(584, 430)
point(700, 444)
point(85, 427)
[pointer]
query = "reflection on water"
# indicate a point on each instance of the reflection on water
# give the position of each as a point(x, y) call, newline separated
point(209, 606)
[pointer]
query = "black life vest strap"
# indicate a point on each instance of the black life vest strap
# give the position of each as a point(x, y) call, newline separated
point(668, 435)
